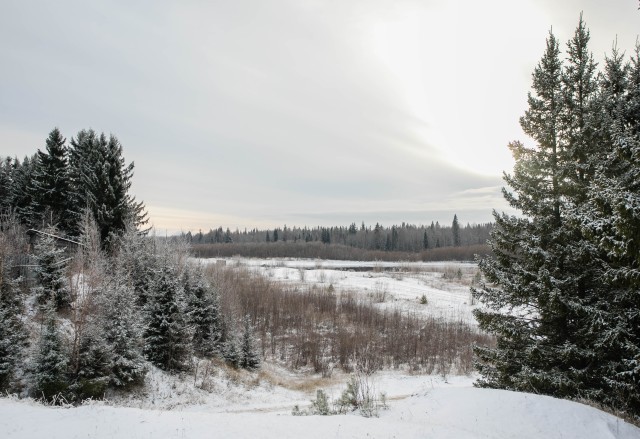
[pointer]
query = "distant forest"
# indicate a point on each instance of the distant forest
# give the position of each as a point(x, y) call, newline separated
point(426, 242)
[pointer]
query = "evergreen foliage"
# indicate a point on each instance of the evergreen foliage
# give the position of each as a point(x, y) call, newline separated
point(51, 360)
point(50, 269)
point(58, 185)
point(167, 335)
point(91, 374)
point(561, 292)
point(455, 231)
point(13, 334)
point(50, 184)
point(249, 356)
point(101, 180)
point(203, 313)
point(122, 331)
point(22, 196)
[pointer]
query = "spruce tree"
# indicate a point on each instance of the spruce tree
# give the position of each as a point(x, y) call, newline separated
point(50, 184)
point(455, 231)
point(90, 374)
point(167, 335)
point(101, 180)
point(122, 330)
point(249, 356)
point(50, 269)
point(22, 195)
point(51, 360)
point(203, 313)
point(13, 334)
point(580, 114)
point(540, 282)
point(611, 222)
point(6, 183)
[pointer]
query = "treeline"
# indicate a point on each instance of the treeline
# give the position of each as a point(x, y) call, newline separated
point(568, 267)
point(312, 250)
point(396, 238)
point(58, 185)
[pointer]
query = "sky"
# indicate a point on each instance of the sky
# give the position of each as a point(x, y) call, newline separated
point(256, 113)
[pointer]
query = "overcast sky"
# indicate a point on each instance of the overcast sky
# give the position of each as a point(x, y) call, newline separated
point(250, 113)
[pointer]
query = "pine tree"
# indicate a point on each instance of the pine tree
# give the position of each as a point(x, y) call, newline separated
point(249, 357)
point(611, 221)
point(167, 336)
point(101, 181)
point(51, 267)
point(50, 363)
point(6, 183)
point(50, 184)
point(22, 196)
point(455, 231)
point(231, 351)
point(13, 334)
point(580, 116)
point(91, 372)
point(136, 253)
point(203, 314)
point(541, 268)
point(123, 332)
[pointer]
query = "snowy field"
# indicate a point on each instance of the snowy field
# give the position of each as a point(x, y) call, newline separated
point(390, 284)
point(218, 402)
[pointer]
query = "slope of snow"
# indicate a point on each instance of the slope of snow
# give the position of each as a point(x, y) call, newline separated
point(441, 412)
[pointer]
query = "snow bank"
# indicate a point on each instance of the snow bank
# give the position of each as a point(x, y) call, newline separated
point(445, 412)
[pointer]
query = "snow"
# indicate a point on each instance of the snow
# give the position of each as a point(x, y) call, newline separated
point(222, 402)
point(434, 409)
point(399, 284)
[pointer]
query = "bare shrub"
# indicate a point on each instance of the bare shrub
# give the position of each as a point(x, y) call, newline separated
point(314, 328)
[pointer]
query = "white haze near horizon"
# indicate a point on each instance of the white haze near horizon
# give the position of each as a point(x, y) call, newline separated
point(297, 112)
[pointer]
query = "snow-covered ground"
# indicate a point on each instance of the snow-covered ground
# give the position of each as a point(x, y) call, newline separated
point(391, 284)
point(419, 407)
point(217, 402)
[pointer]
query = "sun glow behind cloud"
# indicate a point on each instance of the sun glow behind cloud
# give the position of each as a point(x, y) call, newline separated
point(435, 57)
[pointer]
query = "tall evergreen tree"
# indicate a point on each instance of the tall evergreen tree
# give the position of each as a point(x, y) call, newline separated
point(50, 184)
point(13, 334)
point(6, 183)
point(540, 268)
point(22, 196)
point(455, 231)
point(580, 114)
point(101, 181)
point(611, 222)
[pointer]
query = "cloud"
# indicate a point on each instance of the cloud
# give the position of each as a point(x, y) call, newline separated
point(289, 110)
